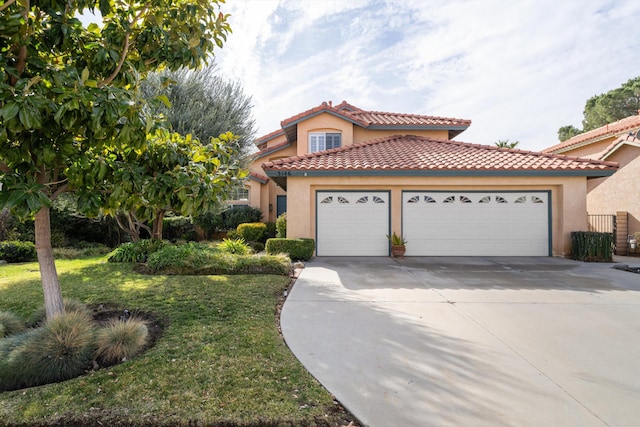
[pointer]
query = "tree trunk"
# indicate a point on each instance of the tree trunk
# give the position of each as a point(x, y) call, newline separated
point(157, 225)
point(53, 303)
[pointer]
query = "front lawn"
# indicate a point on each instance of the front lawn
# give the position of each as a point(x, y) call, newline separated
point(220, 361)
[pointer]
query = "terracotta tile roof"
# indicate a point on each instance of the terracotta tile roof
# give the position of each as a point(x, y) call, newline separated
point(258, 177)
point(611, 129)
point(272, 149)
point(369, 119)
point(615, 145)
point(264, 138)
point(338, 110)
point(415, 153)
point(377, 118)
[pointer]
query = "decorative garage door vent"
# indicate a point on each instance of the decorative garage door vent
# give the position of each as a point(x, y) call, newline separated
point(469, 199)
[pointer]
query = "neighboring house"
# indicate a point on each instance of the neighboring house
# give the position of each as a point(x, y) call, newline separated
point(618, 194)
point(348, 178)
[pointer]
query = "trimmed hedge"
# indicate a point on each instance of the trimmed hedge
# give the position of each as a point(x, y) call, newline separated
point(252, 231)
point(17, 251)
point(297, 249)
point(591, 246)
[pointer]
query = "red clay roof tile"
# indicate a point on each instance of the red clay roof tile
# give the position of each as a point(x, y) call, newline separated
point(268, 150)
point(258, 177)
point(611, 129)
point(419, 153)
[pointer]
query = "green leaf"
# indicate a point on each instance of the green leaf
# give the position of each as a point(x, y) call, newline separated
point(165, 100)
point(85, 75)
point(105, 7)
point(30, 117)
point(9, 110)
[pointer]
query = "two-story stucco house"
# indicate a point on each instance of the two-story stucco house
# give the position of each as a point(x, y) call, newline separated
point(618, 194)
point(348, 178)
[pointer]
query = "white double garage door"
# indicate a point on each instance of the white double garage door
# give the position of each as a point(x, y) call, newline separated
point(435, 223)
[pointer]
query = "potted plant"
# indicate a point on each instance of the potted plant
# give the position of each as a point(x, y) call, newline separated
point(398, 243)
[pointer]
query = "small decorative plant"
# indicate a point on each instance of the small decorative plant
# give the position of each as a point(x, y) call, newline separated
point(397, 240)
point(397, 245)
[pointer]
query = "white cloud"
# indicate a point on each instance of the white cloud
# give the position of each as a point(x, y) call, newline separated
point(518, 70)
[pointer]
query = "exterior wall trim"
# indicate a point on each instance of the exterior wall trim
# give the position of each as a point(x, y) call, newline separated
point(266, 153)
point(417, 127)
point(427, 173)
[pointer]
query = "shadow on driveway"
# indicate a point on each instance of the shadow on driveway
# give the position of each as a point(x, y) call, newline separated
point(480, 341)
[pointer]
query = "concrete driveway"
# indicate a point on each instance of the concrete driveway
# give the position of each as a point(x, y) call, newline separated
point(471, 341)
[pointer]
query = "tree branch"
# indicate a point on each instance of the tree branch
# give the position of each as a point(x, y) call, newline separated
point(4, 168)
point(125, 50)
point(6, 5)
point(22, 54)
point(59, 191)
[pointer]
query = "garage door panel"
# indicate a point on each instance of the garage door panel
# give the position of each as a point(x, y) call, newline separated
point(480, 224)
point(352, 223)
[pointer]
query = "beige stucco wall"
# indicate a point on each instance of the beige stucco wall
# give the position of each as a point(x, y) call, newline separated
point(621, 191)
point(264, 196)
point(568, 198)
point(277, 140)
point(323, 122)
point(592, 150)
point(362, 134)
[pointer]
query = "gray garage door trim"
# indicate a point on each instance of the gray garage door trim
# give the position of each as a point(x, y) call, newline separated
point(362, 221)
point(477, 211)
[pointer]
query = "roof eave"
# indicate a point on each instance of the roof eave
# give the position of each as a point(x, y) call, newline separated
point(419, 127)
point(275, 150)
point(274, 174)
point(316, 113)
point(258, 179)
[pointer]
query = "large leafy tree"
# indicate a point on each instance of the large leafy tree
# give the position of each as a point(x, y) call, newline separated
point(173, 174)
point(204, 104)
point(605, 108)
point(67, 91)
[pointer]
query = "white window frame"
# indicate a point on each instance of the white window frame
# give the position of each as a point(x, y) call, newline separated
point(318, 141)
point(240, 191)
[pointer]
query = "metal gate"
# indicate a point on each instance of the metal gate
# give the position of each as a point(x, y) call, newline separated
point(603, 224)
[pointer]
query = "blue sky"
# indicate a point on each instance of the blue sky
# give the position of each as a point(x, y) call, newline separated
point(518, 69)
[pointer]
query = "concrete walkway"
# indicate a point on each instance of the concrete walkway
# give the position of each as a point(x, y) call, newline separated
point(471, 341)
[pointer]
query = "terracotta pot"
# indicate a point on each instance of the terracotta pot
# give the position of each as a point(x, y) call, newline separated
point(397, 251)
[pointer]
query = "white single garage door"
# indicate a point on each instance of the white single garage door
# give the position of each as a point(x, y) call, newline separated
point(476, 223)
point(352, 223)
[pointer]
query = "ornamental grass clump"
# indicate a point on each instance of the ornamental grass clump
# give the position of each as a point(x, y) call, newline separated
point(59, 350)
point(10, 324)
point(70, 306)
point(120, 340)
point(234, 246)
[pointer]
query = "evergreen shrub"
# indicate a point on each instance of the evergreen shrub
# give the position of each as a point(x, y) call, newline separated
point(592, 246)
point(17, 251)
point(297, 249)
point(252, 231)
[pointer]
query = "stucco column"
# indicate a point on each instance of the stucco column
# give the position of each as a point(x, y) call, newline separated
point(301, 217)
point(572, 213)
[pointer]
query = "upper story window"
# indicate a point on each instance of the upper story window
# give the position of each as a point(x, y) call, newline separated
point(319, 141)
point(242, 193)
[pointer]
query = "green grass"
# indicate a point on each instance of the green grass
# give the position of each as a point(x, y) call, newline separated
point(221, 360)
